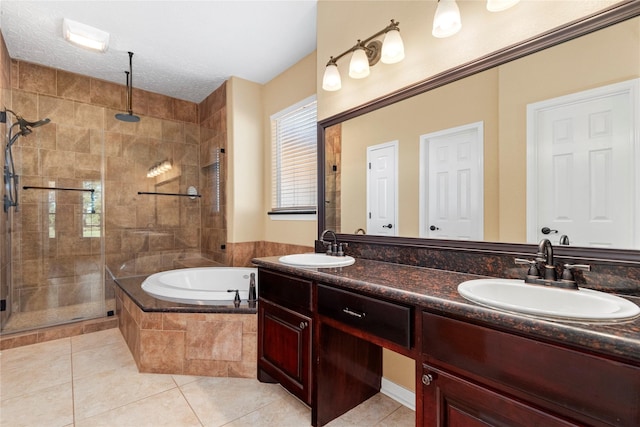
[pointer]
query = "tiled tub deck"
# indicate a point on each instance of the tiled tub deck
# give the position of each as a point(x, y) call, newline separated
point(173, 338)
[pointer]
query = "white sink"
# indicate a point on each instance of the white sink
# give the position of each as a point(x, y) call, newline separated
point(317, 260)
point(583, 305)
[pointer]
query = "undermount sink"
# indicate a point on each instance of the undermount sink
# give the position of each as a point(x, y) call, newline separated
point(584, 305)
point(317, 260)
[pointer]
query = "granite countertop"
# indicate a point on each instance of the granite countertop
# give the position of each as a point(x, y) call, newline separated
point(436, 290)
point(132, 287)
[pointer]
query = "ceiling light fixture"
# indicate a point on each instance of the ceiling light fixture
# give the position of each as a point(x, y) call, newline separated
point(85, 36)
point(447, 20)
point(500, 5)
point(129, 117)
point(366, 53)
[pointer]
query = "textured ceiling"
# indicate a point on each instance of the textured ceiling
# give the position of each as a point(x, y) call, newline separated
point(184, 49)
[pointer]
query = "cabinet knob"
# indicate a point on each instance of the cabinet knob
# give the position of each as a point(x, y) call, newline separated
point(427, 379)
point(303, 325)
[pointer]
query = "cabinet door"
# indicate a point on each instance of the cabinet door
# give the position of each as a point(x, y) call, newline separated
point(284, 348)
point(454, 402)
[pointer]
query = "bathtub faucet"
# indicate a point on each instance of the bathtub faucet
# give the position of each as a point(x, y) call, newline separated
point(252, 288)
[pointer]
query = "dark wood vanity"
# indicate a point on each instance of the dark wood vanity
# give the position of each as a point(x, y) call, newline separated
point(321, 334)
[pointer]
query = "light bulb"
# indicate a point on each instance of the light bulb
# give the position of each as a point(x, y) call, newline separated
point(359, 65)
point(331, 80)
point(447, 21)
point(392, 47)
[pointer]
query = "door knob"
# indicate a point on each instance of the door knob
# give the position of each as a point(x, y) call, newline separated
point(433, 228)
point(388, 226)
point(547, 230)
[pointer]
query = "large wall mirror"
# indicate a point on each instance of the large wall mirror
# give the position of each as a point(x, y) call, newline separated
point(502, 100)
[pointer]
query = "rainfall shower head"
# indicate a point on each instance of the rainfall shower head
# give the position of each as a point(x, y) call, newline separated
point(129, 116)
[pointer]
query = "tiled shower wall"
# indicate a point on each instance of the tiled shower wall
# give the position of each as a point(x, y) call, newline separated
point(143, 233)
point(5, 101)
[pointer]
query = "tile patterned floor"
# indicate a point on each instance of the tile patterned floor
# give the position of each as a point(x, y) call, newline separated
point(91, 380)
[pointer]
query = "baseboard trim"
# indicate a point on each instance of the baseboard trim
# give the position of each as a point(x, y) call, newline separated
point(398, 393)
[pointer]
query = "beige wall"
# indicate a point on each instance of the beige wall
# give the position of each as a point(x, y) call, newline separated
point(405, 123)
point(246, 151)
point(294, 85)
point(528, 80)
point(341, 23)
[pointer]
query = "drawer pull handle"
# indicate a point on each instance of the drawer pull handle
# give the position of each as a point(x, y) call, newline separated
point(427, 379)
point(353, 313)
point(303, 325)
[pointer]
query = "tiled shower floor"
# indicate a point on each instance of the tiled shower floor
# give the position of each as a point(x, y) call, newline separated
point(92, 380)
point(24, 321)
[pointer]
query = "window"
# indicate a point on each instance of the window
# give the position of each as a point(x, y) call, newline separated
point(294, 152)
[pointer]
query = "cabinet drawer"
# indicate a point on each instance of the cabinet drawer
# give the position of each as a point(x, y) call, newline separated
point(563, 380)
point(288, 291)
point(383, 319)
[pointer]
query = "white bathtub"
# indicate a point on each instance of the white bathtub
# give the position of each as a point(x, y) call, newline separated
point(203, 286)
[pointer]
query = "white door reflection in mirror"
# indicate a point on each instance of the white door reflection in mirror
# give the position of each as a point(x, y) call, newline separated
point(452, 183)
point(581, 151)
point(382, 191)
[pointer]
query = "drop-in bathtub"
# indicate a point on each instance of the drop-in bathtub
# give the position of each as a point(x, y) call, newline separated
point(202, 286)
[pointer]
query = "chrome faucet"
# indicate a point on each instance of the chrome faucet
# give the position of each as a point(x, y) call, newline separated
point(335, 248)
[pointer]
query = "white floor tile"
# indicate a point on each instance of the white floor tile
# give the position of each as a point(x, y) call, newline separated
point(94, 378)
point(168, 408)
point(95, 394)
point(52, 406)
point(217, 401)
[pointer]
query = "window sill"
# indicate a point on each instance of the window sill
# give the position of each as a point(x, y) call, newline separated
point(307, 215)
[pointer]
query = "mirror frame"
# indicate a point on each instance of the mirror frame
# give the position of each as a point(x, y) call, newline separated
point(610, 16)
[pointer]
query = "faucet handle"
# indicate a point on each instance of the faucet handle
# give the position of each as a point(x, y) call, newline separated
point(567, 274)
point(583, 267)
point(533, 267)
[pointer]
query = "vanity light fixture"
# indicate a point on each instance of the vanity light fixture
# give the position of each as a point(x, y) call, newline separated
point(364, 54)
point(84, 35)
point(500, 5)
point(446, 21)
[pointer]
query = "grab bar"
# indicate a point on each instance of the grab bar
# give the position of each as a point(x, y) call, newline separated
point(29, 187)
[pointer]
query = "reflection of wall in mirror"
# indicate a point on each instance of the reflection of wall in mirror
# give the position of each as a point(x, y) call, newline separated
point(406, 122)
point(333, 170)
point(499, 98)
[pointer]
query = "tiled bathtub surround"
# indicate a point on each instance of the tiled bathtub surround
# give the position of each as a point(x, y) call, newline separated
point(188, 342)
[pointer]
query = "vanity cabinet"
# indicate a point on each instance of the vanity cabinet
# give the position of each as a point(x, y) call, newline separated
point(285, 332)
point(473, 375)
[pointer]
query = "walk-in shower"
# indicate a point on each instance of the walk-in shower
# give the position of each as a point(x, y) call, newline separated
point(52, 205)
